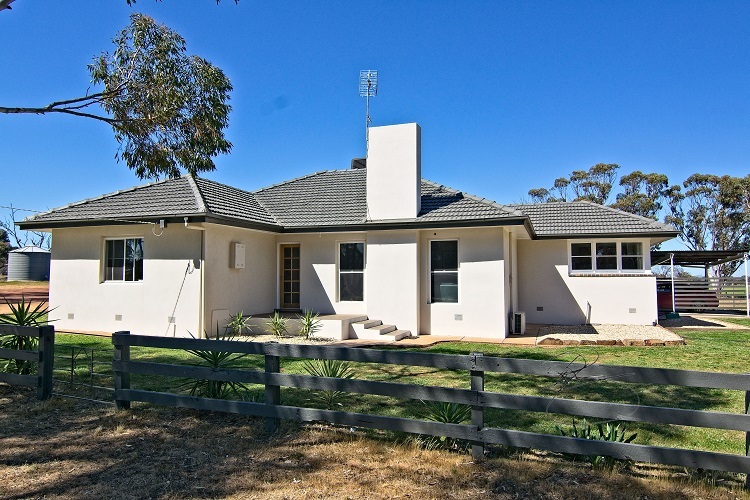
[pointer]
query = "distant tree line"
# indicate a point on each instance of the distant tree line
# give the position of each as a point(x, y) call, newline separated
point(711, 212)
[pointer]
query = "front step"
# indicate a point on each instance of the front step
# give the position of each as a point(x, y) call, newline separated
point(373, 329)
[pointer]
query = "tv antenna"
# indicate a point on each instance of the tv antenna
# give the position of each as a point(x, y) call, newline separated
point(368, 87)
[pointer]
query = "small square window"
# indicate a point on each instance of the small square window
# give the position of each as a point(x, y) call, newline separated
point(580, 259)
point(124, 260)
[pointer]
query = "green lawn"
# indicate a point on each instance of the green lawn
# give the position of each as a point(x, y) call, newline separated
point(705, 350)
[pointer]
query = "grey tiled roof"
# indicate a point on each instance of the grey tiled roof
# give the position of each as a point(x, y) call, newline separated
point(335, 198)
point(330, 198)
point(163, 198)
point(231, 202)
point(583, 218)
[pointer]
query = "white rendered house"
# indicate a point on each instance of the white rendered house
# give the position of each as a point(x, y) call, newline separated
point(374, 242)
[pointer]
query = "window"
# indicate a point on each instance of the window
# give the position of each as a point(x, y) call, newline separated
point(606, 256)
point(580, 256)
point(351, 271)
point(632, 255)
point(444, 271)
point(124, 260)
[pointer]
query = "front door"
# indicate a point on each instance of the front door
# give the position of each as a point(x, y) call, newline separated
point(289, 277)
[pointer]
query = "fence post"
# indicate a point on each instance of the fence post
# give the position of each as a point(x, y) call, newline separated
point(477, 412)
point(122, 378)
point(46, 362)
point(273, 392)
point(747, 438)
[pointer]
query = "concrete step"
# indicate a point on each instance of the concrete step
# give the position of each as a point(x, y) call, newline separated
point(395, 335)
point(374, 329)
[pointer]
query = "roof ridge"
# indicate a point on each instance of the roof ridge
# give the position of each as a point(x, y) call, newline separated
point(97, 198)
point(296, 179)
point(478, 199)
point(617, 210)
point(250, 193)
point(201, 201)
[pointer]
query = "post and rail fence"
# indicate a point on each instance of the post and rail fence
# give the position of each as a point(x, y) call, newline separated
point(477, 365)
point(43, 358)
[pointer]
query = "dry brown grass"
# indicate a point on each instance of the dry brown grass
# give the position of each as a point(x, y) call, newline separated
point(72, 449)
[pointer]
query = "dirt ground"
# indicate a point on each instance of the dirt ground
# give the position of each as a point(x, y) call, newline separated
point(33, 291)
point(65, 448)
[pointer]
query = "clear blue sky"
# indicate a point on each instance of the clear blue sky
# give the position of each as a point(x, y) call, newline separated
point(510, 95)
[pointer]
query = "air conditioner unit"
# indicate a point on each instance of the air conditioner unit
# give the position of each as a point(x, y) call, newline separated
point(518, 326)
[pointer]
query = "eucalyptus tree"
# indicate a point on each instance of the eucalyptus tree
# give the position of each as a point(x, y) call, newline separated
point(168, 109)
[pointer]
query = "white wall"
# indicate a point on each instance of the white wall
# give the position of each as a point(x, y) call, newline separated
point(392, 281)
point(318, 273)
point(250, 290)
point(394, 172)
point(482, 303)
point(543, 281)
point(77, 289)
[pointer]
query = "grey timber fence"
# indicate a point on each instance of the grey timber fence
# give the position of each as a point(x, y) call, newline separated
point(43, 358)
point(476, 396)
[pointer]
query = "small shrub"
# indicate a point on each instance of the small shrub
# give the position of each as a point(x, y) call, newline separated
point(217, 360)
point(329, 368)
point(607, 432)
point(277, 325)
point(239, 324)
point(310, 324)
point(446, 413)
point(22, 314)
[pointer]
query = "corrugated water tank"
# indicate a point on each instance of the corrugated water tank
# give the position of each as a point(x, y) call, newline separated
point(28, 264)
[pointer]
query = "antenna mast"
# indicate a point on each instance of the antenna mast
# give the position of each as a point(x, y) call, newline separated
point(368, 87)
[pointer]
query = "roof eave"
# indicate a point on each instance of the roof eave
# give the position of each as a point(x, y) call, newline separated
point(119, 221)
point(580, 236)
point(392, 225)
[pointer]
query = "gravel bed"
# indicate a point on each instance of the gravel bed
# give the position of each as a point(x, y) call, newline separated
point(607, 335)
point(290, 339)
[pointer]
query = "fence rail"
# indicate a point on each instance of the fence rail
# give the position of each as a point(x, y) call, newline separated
point(476, 396)
point(43, 357)
point(710, 294)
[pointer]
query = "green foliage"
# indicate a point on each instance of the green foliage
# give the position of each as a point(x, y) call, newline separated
point(712, 213)
point(239, 324)
point(309, 324)
point(446, 413)
point(168, 109)
point(606, 432)
point(217, 360)
point(594, 184)
point(277, 325)
point(4, 249)
point(22, 314)
point(643, 194)
point(328, 368)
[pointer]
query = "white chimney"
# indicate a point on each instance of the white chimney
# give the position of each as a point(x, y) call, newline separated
point(394, 172)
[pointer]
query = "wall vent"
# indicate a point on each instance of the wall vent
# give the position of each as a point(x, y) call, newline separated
point(631, 310)
point(118, 317)
point(540, 308)
point(458, 317)
point(71, 316)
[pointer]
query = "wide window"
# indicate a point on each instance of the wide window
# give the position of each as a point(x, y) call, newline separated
point(351, 271)
point(606, 256)
point(444, 271)
point(124, 260)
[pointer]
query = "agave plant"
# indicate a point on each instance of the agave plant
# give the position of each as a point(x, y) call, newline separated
point(309, 324)
point(217, 360)
point(239, 324)
point(22, 314)
point(445, 413)
point(607, 432)
point(329, 368)
point(277, 325)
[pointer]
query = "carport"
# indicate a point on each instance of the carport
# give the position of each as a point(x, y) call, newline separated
point(709, 293)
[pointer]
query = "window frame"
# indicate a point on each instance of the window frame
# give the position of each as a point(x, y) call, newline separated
point(106, 258)
point(350, 271)
point(618, 256)
point(457, 271)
